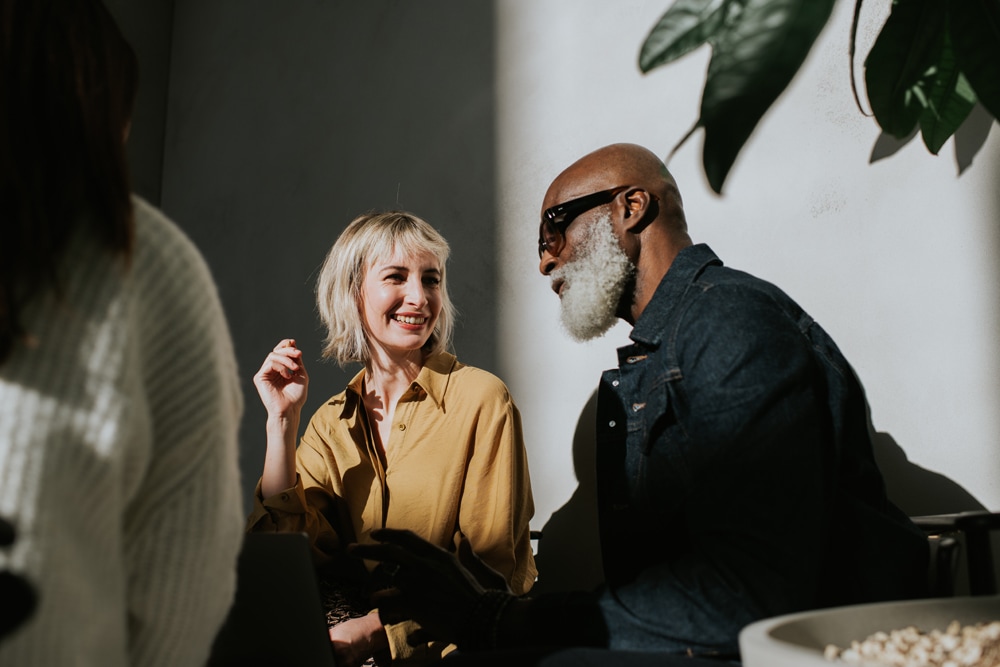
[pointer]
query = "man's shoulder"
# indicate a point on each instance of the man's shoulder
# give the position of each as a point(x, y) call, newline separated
point(703, 295)
point(732, 311)
point(740, 290)
point(719, 274)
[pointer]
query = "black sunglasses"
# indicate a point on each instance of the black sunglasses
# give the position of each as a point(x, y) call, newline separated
point(555, 220)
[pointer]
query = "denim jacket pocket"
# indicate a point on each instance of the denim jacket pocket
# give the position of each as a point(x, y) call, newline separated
point(660, 464)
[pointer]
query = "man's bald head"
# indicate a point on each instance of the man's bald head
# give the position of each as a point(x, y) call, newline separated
point(642, 215)
point(620, 165)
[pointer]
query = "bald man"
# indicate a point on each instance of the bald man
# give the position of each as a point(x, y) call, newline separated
point(736, 478)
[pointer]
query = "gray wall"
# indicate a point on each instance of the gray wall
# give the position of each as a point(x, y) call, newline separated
point(148, 26)
point(283, 121)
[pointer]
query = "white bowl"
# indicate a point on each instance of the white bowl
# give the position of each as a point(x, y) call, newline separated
point(798, 640)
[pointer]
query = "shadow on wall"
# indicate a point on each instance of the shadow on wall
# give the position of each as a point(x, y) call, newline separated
point(569, 554)
point(969, 139)
point(915, 490)
point(921, 492)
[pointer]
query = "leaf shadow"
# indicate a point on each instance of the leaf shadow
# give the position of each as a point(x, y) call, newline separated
point(887, 145)
point(971, 136)
point(969, 139)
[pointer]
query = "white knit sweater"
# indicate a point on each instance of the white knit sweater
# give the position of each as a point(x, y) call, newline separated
point(118, 459)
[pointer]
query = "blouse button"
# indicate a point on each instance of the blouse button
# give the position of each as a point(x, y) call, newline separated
point(284, 496)
point(611, 423)
point(402, 427)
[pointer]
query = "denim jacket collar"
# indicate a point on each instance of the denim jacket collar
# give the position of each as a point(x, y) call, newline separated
point(687, 266)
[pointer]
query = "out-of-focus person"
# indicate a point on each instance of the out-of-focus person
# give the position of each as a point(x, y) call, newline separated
point(119, 395)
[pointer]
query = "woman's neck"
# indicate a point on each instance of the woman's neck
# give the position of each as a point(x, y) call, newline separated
point(388, 376)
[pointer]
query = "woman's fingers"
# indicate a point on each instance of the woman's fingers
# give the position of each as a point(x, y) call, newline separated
point(283, 364)
point(282, 381)
point(285, 360)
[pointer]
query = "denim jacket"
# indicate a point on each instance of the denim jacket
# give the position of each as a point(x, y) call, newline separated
point(736, 478)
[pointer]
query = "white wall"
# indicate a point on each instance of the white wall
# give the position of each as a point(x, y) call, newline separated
point(897, 259)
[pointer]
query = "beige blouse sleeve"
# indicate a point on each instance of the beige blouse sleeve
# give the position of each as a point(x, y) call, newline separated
point(311, 506)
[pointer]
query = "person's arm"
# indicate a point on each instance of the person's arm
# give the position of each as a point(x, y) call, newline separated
point(443, 592)
point(357, 639)
point(314, 503)
point(497, 504)
point(181, 528)
point(282, 384)
point(281, 500)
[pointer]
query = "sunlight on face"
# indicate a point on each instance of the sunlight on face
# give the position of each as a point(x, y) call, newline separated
point(401, 301)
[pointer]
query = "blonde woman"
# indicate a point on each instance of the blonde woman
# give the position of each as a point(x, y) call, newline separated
point(417, 440)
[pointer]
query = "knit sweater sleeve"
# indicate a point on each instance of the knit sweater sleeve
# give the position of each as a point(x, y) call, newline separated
point(182, 524)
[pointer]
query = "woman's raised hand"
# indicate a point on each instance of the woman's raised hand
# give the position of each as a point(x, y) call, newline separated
point(282, 381)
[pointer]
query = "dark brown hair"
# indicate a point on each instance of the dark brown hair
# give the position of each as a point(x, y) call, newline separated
point(68, 81)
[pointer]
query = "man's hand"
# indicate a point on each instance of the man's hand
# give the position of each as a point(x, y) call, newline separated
point(489, 578)
point(431, 587)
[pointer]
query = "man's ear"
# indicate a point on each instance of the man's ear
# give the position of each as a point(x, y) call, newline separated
point(638, 210)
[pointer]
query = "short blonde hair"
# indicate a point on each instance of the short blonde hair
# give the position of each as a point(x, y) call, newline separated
point(366, 240)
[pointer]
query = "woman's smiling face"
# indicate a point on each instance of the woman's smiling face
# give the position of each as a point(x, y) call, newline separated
point(401, 300)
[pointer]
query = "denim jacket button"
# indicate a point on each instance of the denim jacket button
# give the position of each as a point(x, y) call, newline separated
point(611, 423)
point(614, 383)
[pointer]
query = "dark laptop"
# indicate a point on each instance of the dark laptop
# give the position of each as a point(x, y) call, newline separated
point(277, 618)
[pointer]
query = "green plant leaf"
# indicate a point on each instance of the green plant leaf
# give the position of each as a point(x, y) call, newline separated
point(683, 28)
point(949, 99)
point(975, 32)
point(753, 60)
point(902, 54)
point(952, 112)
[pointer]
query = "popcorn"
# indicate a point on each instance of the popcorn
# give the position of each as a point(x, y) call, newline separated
point(958, 646)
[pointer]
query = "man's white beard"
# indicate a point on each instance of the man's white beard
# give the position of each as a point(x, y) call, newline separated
point(594, 282)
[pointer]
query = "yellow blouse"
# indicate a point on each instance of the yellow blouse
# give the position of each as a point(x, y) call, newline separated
point(455, 462)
